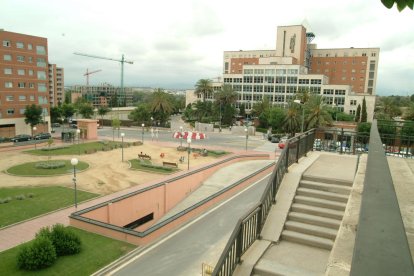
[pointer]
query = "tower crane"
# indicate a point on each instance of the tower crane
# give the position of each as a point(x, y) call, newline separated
point(89, 73)
point(122, 61)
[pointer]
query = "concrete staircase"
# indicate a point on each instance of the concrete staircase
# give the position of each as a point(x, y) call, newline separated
point(317, 211)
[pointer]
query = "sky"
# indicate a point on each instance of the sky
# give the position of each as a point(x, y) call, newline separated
point(173, 44)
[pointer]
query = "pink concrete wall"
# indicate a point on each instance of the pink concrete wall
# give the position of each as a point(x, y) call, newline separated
point(89, 128)
point(174, 224)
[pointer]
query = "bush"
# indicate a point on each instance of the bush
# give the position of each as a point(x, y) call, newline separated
point(30, 195)
point(146, 165)
point(39, 254)
point(20, 197)
point(54, 148)
point(5, 200)
point(64, 240)
point(50, 165)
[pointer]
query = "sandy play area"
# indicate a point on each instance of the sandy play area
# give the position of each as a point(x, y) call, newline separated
point(106, 174)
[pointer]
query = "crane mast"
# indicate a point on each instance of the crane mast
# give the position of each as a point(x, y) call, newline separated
point(89, 73)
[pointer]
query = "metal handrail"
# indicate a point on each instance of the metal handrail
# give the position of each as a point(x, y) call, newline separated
point(248, 228)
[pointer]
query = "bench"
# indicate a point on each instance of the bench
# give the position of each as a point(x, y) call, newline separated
point(144, 156)
point(171, 164)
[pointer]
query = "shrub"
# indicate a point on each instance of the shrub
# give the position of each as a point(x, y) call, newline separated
point(39, 254)
point(64, 240)
point(148, 165)
point(137, 143)
point(5, 200)
point(54, 148)
point(50, 165)
point(30, 195)
point(20, 197)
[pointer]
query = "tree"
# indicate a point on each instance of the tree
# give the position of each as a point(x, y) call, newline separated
point(116, 124)
point(407, 133)
point(161, 105)
point(276, 118)
point(202, 109)
point(358, 114)
point(242, 110)
point(55, 114)
point(102, 111)
point(260, 107)
point(364, 114)
point(291, 124)
point(317, 112)
point(303, 94)
point(86, 110)
point(401, 4)
point(363, 131)
point(33, 114)
point(409, 113)
point(141, 114)
point(204, 87)
point(68, 110)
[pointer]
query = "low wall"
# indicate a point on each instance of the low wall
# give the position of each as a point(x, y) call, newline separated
point(108, 218)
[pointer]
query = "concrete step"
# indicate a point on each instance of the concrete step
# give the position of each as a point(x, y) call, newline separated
point(307, 239)
point(318, 211)
point(322, 195)
point(333, 188)
point(314, 220)
point(327, 180)
point(273, 268)
point(320, 202)
point(310, 229)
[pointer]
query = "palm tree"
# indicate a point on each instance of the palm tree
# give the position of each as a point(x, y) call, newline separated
point(260, 107)
point(160, 102)
point(204, 87)
point(291, 123)
point(317, 111)
point(226, 95)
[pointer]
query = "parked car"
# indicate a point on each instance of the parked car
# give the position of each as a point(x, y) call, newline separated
point(75, 126)
point(42, 136)
point(275, 139)
point(21, 138)
point(55, 125)
point(282, 143)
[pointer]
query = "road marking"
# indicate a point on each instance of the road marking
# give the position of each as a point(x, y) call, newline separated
point(151, 247)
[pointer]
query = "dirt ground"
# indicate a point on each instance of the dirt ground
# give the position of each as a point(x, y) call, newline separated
point(106, 173)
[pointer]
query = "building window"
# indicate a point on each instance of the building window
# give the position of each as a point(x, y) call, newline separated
point(316, 81)
point(40, 50)
point(41, 62)
point(10, 111)
point(259, 71)
point(22, 98)
point(22, 111)
point(352, 112)
point(258, 79)
point(364, 54)
point(21, 84)
point(19, 45)
point(7, 57)
point(30, 59)
point(29, 46)
point(41, 75)
point(30, 72)
point(353, 102)
point(373, 54)
point(31, 85)
point(20, 72)
point(9, 98)
point(248, 71)
point(303, 81)
point(372, 65)
point(339, 92)
point(7, 71)
point(41, 87)
point(8, 84)
point(247, 79)
point(20, 58)
point(31, 98)
point(328, 91)
point(6, 43)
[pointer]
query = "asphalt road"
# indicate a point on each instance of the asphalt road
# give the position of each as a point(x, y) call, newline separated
point(202, 241)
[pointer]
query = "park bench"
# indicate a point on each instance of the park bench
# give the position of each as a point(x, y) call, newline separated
point(144, 156)
point(171, 164)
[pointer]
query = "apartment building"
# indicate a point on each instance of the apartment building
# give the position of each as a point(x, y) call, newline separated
point(103, 95)
point(344, 77)
point(24, 80)
point(56, 85)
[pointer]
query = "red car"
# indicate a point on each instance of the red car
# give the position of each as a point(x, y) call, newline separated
point(282, 143)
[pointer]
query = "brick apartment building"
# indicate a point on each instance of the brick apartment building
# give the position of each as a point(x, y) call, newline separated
point(26, 78)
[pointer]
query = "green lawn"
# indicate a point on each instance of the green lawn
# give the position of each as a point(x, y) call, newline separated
point(75, 149)
point(137, 165)
point(97, 251)
point(45, 199)
point(29, 169)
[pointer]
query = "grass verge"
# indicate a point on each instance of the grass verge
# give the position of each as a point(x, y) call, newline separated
point(43, 200)
point(76, 149)
point(29, 169)
point(97, 252)
point(145, 165)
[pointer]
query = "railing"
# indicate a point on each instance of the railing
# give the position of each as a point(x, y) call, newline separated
point(381, 246)
point(248, 228)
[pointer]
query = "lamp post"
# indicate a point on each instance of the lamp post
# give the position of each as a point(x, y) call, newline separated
point(142, 133)
point(122, 145)
point(34, 130)
point(188, 151)
point(74, 162)
point(247, 136)
point(78, 131)
point(181, 136)
point(303, 113)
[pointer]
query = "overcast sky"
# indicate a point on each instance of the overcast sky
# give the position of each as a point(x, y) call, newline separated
point(175, 43)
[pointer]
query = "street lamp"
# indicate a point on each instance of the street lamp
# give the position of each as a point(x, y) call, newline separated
point(78, 131)
point(247, 136)
point(143, 133)
point(181, 136)
point(303, 113)
point(34, 129)
point(188, 151)
point(122, 145)
point(74, 162)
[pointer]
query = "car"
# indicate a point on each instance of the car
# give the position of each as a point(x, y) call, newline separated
point(55, 125)
point(21, 138)
point(42, 136)
point(74, 126)
point(274, 139)
point(282, 143)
